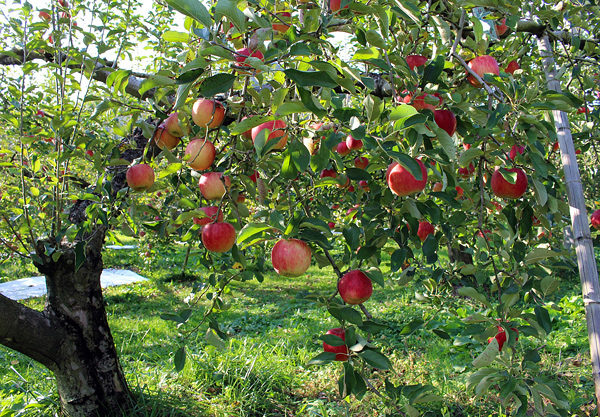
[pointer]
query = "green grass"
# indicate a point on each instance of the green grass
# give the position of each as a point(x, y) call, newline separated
point(273, 330)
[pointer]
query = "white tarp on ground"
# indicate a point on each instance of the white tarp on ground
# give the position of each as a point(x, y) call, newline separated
point(36, 286)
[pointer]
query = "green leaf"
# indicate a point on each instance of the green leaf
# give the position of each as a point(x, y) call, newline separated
point(174, 36)
point(543, 318)
point(322, 358)
point(79, 255)
point(375, 359)
point(216, 84)
point(213, 339)
point(433, 70)
point(467, 156)
point(375, 39)
point(376, 276)
point(411, 326)
point(179, 359)
point(182, 94)
point(541, 195)
point(539, 254)
point(291, 107)
point(249, 123)
point(486, 357)
point(346, 314)
point(299, 155)
point(252, 229)
point(311, 102)
point(192, 8)
point(472, 293)
point(357, 174)
point(446, 141)
point(310, 78)
point(332, 340)
point(155, 81)
point(229, 9)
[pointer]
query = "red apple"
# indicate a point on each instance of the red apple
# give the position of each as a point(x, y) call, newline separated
point(501, 336)
point(459, 191)
point(352, 143)
point(351, 188)
point(331, 225)
point(361, 162)
point(276, 128)
point(414, 61)
point(328, 173)
point(446, 120)
point(164, 140)
point(335, 5)
point(466, 172)
point(582, 110)
point(438, 186)
point(173, 125)
point(45, 15)
point(512, 67)
point(211, 214)
point(419, 103)
point(278, 25)
point(504, 189)
point(425, 229)
point(501, 28)
point(341, 352)
point(466, 146)
point(218, 237)
point(211, 186)
point(89, 153)
point(482, 65)
point(513, 151)
point(140, 177)
point(208, 113)
point(355, 287)
point(342, 149)
point(555, 146)
point(402, 182)
point(364, 185)
point(254, 176)
point(201, 154)
point(290, 258)
point(595, 219)
point(242, 54)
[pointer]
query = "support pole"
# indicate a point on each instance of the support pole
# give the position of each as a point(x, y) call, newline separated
point(582, 237)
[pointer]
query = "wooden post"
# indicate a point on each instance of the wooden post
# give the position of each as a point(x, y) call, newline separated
point(579, 218)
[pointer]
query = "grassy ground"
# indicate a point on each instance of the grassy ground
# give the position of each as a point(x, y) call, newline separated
point(274, 330)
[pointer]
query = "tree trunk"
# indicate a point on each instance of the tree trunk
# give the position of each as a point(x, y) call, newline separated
point(71, 336)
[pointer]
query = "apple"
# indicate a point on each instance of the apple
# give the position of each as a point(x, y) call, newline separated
point(501, 336)
point(342, 149)
point(512, 67)
point(414, 61)
point(45, 15)
point(422, 102)
point(446, 120)
point(242, 54)
point(501, 28)
point(459, 191)
point(254, 176)
point(555, 146)
point(140, 177)
point(355, 287)
point(466, 172)
point(279, 26)
point(173, 125)
point(343, 182)
point(582, 110)
point(211, 214)
point(331, 225)
point(482, 65)
point(341, 352)
point(335, 5)
point(211, 186)
point(364, 185)
point(513, 151)
point(218, 237)
point(142, 233)
point(352, 143)
point(402, 182)
point(335, 206)
point(595, 219)
point(466, 146)
point(201, 153)
point(164, 140)
point(89, 153)
point(504, 189)
point(290, 258)
point(437, 186)
point(276, 128)
point(361, 162)
point(328, 173)
point(208, 113)
point(240, 198)
point(351, 188)
point(425, 229)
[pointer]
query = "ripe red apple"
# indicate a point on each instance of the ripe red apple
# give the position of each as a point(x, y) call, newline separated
point(211, 186)
point(466, 172)
point(482, 65)
point(501, 28)
point(420, 102)
point(355, 287)
point(555, 146)
point(513, 151)
point(414, 61)
point(45, 16)
point(459, 191)
point(352, 143)
point(335, 5)
point(501, 336)
point(402, 182)
point(425, 229)
point(361, 162)
point(341, 352)
point(504, 189)
point(364, 185)
point(582, 110)
point(342, 149)
point(173, 125)
point(276, 128)
point(331, 225)
point(89, 153)
point(201, 154)
point(512, 67)
point(328, 173)
point(351, 188)
point(438, 186)
point(218, 237)
point(254, 176)
point(211, 214)
point(140, 177)
point(164, 140)
point(278, 25)
point(242, 54)
point(208, 113)
point(595, 219)
point(446, 120)
point(290, 258)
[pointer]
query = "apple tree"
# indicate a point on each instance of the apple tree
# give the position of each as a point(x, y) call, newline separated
point(276, 135)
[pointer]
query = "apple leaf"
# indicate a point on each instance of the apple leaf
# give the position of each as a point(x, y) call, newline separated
point(249, 123)
point(182, 94)
point(376, 276)
point(402, 111)
point(229, 9)
point(486, 357)
point(539, 254)
point(290, 108)
point(375, 359)
point(541, 195)
point(348, 314)
point(445, 140)
point(214, 340)
point(467, 156)
point(288, 168)
point(154, 81)
point(252, 229)
point(412, 326)
point(175, 36)
point(311, 78)
point(358, 174)
point(179, 359)
point(216, 84)
point(433, 70)
point(299, 155)
point(407, 162)
point(310, 102)
point(194, 9)
point(472, 293)
point(332, 339)
point(322, 358)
